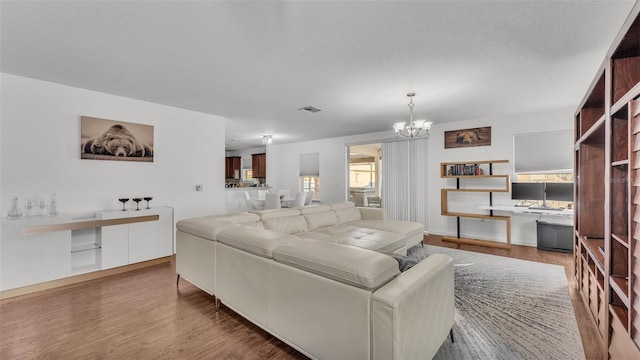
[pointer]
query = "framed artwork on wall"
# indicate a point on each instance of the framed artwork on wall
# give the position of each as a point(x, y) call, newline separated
point(467, 137)
point(103, 139)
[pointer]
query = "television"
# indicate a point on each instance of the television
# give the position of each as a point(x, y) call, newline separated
point(527, 191)
point(559, 191)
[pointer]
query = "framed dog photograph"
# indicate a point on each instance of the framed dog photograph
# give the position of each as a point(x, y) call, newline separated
point(467, 137)
point(103, 139)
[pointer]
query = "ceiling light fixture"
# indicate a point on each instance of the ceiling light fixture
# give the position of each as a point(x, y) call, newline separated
point(267, 139)
point(415, 128)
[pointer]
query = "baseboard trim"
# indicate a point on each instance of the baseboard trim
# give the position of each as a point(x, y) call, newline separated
point(6, 294)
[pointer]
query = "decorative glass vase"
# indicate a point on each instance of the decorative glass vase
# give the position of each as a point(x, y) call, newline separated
point(14, 210)
point(54, 209)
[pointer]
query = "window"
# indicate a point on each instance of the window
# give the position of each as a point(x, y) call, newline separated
point(310, 174)
point(549, 178)
point(311, 183)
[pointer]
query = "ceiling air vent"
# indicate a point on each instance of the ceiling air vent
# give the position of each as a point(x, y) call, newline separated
point(310, 109)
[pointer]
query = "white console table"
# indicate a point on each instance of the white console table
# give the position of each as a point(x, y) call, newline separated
point(34, 250)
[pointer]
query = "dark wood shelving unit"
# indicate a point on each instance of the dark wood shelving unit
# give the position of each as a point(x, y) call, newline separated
point(607, 206)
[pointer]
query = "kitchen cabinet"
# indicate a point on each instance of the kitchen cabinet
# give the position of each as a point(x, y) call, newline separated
point(259, 165)
point(231, 165)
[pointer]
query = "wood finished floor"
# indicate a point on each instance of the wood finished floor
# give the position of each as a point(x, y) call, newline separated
point(141, 315)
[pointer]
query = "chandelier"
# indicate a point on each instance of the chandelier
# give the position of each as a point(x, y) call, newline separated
point(415, 128)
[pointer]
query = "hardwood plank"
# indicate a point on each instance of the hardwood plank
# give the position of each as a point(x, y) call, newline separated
point(142, 315)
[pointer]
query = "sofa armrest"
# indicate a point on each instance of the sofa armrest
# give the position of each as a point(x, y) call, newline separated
point(413, 314)
point(373, 213)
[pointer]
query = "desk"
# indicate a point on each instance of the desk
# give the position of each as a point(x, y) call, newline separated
point(566, 213)
point(555, 235)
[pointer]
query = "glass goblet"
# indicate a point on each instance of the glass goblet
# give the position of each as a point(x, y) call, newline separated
point(123, 201)
point(42, 204)
point(147, 199)
point(29, 204)
point(137, 200)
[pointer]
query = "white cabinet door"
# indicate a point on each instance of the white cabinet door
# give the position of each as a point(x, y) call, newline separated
point(152, 239)
point(32, 259)
point(115, 240)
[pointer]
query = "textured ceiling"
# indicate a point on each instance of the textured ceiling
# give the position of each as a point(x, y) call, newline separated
point(256, 63)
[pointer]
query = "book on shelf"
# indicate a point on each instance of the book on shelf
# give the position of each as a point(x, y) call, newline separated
point(464, 170)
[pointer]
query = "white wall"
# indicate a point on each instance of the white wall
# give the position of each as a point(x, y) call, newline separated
point(523, 228)
point(283, 171)
point(283, 164)
point(40, 151)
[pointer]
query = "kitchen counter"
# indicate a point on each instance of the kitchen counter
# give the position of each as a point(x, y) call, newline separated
point(248, 188)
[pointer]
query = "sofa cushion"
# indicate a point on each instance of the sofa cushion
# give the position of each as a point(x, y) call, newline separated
point(239, 218)
point(275, 213)
point(347, 215)
point(256, 241)
point(351, 265)
point(314, 209)
point(314, 235)
point(342, 205)
point(337, 229)
point(372, 239)
point(205, 227)
point(320, 219)
point(408, 228)
point(287, 224)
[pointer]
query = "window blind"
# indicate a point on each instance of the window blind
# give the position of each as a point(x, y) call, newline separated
point(550, 151)
point(310, 164)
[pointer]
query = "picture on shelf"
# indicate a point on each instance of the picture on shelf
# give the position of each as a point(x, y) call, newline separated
point(467, 137)
point(103, 139)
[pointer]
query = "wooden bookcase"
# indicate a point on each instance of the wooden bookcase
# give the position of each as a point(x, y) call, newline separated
point(474, 170)
point(607, 206)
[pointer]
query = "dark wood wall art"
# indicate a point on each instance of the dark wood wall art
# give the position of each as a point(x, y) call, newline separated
point(467, 137)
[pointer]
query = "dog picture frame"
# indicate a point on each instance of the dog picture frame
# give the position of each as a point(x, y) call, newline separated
point(480, 136)
point(103, 139)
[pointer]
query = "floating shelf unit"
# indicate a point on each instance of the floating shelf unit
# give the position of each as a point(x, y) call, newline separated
point(607, 207)
point(474, 170)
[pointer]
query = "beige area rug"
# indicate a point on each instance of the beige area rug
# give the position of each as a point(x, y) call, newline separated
point(508, 309)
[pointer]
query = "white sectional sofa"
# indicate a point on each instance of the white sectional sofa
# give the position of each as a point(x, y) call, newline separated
point(320, 279)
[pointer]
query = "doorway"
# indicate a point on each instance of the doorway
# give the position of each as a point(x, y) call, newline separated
point(365, 162)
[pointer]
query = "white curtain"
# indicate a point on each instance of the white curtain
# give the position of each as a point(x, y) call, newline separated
point(404, 180)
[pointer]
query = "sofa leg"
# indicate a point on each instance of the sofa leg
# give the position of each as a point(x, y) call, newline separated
point(451, 335)
point(177, 280)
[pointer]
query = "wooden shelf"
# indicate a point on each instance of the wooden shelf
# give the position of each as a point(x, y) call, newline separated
point(620, 163)
point(87, 224)
point(621, 286)
point(621, 238)
point(446, 170)
point(471, 241)
point(621, 313)
point(592, 246)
